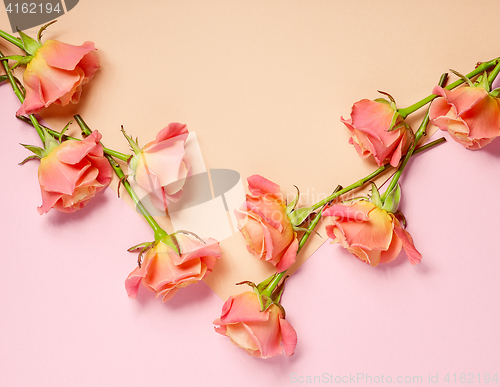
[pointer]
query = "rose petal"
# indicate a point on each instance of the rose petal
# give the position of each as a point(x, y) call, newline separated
point(260, 186)
point(288, 259)
point(34, 100)
point(244, 307)
point(173, 129)
point(62, 55)
point(289, 337)
point(413, 255)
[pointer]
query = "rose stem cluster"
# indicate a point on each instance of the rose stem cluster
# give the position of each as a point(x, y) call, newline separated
point(20, 96)
point(478, 70)
point(418, 135)
point(339, 191)
point(55, 133)
point(277, 277)
point(15, 41)
point(42, 131)
point(159, 233)
point(373, 175)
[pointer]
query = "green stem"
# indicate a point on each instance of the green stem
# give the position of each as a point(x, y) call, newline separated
point(111, 152)
point(372, 175)
point(493, 74)
point(397, 175)
point(118, 155)
point(478, 70)
point(418, 135)
point(429, 145)
point(20, 96)
point(338, 192)
point(274, 283)
point(158, 231)
point(12, 39)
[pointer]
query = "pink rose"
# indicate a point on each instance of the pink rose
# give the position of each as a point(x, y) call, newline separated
point(370, 123)
point(72, 173)
point(264, 223)
point(162, 166)
point(369, 232)
point(469, 114)
point(164, 271)
point(259, 333)
point(56, 74)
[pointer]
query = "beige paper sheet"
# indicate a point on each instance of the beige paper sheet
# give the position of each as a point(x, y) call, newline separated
point(264, 83)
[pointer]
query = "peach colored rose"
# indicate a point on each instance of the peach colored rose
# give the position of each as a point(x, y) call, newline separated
point(162, 166)
point(369, 232)
point(469, 114)
point(56, 74)
point(164, 271)
point(369, 125)
point(264, 223)
point(72, 173)
point(258, 333)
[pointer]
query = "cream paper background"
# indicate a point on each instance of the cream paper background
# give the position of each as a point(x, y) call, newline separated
point(264, 83)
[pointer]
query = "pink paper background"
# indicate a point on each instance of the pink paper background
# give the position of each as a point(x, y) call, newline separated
point(66, 319)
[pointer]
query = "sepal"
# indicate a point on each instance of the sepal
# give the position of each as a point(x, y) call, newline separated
point(382, 100)
point(375, 197)
point(395, 122)
point(291, 206)
point(143, 248)
point(278, 292)
point(266, 300)
point(190, 233)
point(495, 93)
point(30, 45)
point(43, 28)
point(64, 131)
point(29, 158)
point(23, 61)
point(307, 230)
point(391, 202)
point(298, 216)
point(140, 246)
point(463, 77)
point(171, 241)
point(20, 59)
point(263, 285)
point(391, 98)
point(482, 81)
point(399, 216)
point(39, 152)
point(49, 142)
point(134, 144)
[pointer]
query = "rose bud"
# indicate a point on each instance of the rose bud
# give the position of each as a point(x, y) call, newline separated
point(378, 129)
point(56, 73)
point(265, 224)
point(258, 333)
point(470, 115)
point(70, 174)
point(162, 166)
point(371, 230)
point(169, 265)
